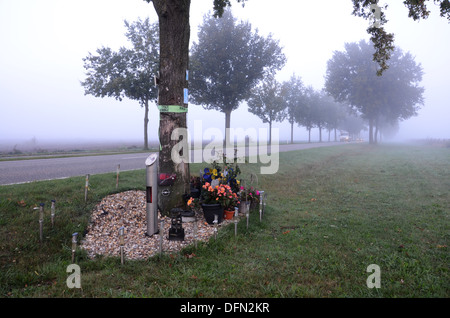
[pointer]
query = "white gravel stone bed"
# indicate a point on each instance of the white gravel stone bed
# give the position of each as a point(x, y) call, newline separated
point(128, 209)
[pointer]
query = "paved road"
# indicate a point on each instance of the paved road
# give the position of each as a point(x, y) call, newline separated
point(22, 171)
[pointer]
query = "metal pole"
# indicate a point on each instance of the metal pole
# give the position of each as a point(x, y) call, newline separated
point(215, 225)
point(74, 246)
point(122, 243)
point(262, 198)
point(53, 213)
point(247, 213)
point(236, 212)
point(265, 200)
point(152, 177)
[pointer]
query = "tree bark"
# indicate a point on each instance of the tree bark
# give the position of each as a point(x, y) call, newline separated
point(174, 60)
point(370, 131)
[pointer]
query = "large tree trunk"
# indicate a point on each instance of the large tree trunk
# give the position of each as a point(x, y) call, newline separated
point(370, 131)
point(309, 134)
point(146, 125)
point(174, 60)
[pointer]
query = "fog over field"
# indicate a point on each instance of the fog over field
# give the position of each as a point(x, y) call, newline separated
point(43, 106)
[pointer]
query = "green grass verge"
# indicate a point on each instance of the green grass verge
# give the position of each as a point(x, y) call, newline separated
point(331, 213)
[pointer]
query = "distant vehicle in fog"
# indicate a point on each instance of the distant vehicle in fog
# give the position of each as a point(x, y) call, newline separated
point(345, 137)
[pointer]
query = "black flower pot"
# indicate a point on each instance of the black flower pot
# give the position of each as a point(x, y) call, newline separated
point(209, 210)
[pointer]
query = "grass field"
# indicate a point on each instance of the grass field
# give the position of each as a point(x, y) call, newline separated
point(331, 213)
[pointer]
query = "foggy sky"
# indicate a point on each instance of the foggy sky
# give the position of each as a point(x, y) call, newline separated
point(43, 43)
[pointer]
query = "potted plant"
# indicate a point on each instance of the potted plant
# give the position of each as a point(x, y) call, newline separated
point(210, 203)
point(216, 200)
point(218, 191)
point(229, 201)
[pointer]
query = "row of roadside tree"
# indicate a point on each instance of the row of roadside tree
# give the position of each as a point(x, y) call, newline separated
point(231, 64)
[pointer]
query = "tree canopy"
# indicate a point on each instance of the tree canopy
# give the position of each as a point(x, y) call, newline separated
point(295, 99)
point(127, 72)
point(228, 61)
point(350, 78)
point(383, 42)
point(268, 103)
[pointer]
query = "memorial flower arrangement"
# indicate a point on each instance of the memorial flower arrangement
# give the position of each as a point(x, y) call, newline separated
point(219, 190)
point(226, 174)
point(249, 194)
point(221, 194)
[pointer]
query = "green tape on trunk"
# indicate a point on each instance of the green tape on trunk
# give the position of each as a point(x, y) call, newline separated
point(172, 109)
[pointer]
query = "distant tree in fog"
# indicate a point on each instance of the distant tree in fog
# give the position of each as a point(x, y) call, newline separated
point(228, 61)
point(335, 114)
point(268, 103)
point(351, 78)
point(323, 112)
point(353, 124)
point(304, 116)
point(127, 72)
point(295, 99)
point(387, 129)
